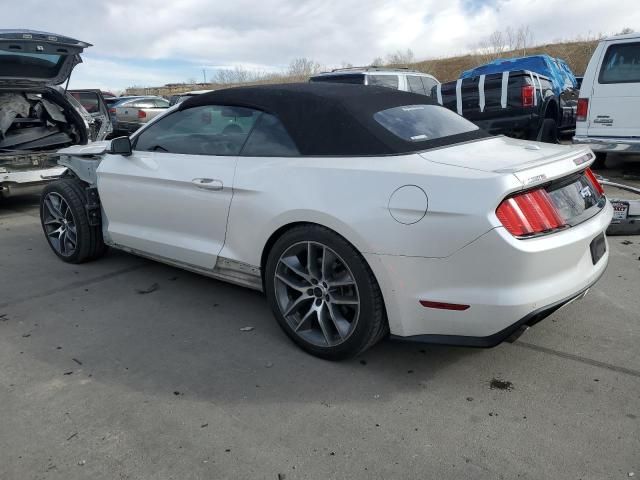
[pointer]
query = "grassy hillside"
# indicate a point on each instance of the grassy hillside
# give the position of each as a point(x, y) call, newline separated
point(576, 54)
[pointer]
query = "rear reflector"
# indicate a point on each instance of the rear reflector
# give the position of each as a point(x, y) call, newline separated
point(528, 92)
point(594, 181)
point(529, 213)
point(142, 114)
point(582, 110)
point(443, 306)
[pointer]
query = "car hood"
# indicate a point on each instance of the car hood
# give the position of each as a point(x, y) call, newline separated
point(29, 58)
point(503, 154)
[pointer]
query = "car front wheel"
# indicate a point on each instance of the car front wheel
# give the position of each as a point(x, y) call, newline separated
point(323, 293)
point(66, 224)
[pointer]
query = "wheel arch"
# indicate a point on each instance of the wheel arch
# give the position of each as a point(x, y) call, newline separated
point(281, 230)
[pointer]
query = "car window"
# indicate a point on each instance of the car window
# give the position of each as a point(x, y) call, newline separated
point(140, 104)
point(415, 84)
point(205, 130)
point(34, 65)
point(621, 64)
point(390, 81)
point(418, 123)
point(89, 100)
point(269, 139)
point(428, 83)
point(161, 103)
point(353, 78)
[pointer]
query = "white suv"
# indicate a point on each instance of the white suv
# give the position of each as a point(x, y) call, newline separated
point(396, 78)
point(607, 115)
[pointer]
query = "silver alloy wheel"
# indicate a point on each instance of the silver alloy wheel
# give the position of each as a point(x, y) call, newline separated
point(59, 224)
point(317, 294)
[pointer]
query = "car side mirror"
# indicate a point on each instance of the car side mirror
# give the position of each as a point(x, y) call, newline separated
point(121, 146)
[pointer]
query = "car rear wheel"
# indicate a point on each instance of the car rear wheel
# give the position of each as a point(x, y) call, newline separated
point(323, 293)
point(66, 224)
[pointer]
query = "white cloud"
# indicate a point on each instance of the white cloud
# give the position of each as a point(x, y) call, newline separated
point(269, 33)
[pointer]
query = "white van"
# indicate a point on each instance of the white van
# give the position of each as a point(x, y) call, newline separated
point(608, 115)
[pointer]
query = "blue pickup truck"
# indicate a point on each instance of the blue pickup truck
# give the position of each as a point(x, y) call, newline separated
point(532, 97)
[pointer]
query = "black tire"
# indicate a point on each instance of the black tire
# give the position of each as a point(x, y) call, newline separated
point(548, 132)
point(371, 325)
point(89, 242)
point(600, 162)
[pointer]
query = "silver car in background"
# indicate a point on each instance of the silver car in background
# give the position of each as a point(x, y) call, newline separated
point(130, 115)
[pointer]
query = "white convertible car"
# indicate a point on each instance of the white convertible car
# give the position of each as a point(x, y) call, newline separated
point(359, 211)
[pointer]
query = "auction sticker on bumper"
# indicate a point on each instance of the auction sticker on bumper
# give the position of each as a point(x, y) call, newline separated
point(620, 210)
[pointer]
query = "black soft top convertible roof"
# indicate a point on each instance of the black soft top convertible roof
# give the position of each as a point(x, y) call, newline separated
point(331, 118)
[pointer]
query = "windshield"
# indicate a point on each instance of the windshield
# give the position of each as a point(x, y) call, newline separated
point(418, 123)
point(30, 65)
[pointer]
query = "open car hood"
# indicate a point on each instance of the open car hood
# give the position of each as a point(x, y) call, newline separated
point(29, 58)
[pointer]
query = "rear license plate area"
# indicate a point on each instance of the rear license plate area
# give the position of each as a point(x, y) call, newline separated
point(598, 248)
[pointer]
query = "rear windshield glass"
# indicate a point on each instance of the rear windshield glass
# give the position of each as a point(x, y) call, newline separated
point(621, 64)
point(418, 123)
point(357, 79)
point(30, 65)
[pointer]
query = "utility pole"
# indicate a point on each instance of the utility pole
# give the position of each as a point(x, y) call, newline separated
point(204, 75)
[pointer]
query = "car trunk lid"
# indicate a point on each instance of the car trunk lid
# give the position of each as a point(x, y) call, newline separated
point(556, 190)
point(530, 162)
point(29, 58)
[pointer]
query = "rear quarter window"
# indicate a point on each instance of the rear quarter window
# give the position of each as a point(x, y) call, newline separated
point(621, 64)
point(419, 123)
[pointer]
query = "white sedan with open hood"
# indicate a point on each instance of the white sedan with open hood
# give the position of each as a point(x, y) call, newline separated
point(359, 211)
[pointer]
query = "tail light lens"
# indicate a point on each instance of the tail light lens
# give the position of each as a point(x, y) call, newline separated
point(529, 213)
point(112, 111)
point(528, 95)
point(594, 181)
point(582, 110)
point(142, 114)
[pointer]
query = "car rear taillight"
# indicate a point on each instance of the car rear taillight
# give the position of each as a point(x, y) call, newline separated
point(594, 181)
point(142, 114)
point(528, 95)
point(582, 110)
point(529, 213)
point(112, 111)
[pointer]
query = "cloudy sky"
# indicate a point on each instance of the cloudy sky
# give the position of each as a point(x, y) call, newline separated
point(144, 42)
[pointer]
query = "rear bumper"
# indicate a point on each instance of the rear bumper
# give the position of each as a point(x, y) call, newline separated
point(610, 144)
point(507, 283)
point(27, 182)
point(495, 339)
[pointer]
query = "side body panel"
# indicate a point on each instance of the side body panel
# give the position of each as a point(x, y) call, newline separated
point(167, 205)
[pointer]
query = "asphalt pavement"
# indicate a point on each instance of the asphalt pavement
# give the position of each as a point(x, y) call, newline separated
point(128, 369)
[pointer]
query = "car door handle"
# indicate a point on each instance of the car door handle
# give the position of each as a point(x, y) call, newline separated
point(207, 183)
